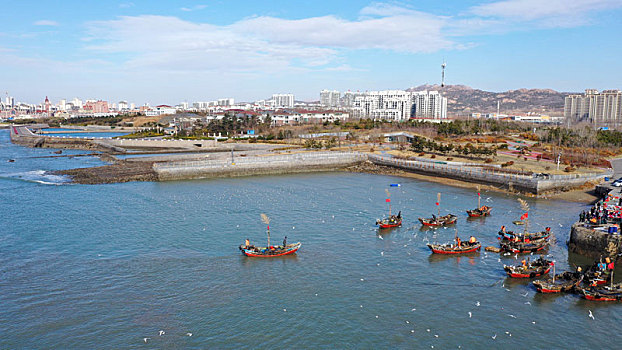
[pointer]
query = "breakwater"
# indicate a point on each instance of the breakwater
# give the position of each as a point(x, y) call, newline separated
point(588, 241)
point(494, 176)
point(259, 165)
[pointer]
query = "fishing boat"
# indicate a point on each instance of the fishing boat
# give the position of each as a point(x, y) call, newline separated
point(525, 247)
point(459, 247)
point(533, 269)
point(269, 251)
point(435, 221)
point(449, 248)
point(438, 220)
point(597, 274)
point(523, 236)
point(481, 210)
point(606, 293)
point(392, 220)
point(563, 282)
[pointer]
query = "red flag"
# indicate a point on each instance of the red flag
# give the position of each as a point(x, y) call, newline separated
point(552, 263)
point(388, 200)
point(436, 203)
point(268, 227)
point(478, 193)
point(524, 216)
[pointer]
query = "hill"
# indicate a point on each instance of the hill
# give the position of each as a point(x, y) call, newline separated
point(463, 100)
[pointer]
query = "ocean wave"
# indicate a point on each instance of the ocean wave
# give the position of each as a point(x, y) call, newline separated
point(38, 176)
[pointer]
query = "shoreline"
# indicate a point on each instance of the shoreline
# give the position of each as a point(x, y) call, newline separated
point(581, 195)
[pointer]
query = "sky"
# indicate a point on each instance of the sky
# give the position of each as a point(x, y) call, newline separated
point(166, 52)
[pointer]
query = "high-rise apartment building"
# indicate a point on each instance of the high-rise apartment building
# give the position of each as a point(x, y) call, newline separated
point(330, 98)
point(398, 105)
point(600, 108)
point(283, 100)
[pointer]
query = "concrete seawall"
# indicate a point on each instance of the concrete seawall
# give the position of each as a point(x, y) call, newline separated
point(524, 183)
point(291, 163)
point(595, 244)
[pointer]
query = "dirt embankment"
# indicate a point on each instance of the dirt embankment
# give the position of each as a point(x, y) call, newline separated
point(121, 171)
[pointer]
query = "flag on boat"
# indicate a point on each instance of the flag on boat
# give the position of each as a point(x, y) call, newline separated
point(524, 216)
point(388, 200)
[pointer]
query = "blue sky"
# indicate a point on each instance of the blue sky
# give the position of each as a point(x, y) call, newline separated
point(170, 51)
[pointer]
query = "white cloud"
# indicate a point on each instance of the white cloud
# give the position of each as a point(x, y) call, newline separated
point(529, 10)
point(193, 8)
point(45, 22)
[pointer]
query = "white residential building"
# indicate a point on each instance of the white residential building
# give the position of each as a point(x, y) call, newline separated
point(283, 100)
point(398, 105)
point(601, 108)
point(330, 98)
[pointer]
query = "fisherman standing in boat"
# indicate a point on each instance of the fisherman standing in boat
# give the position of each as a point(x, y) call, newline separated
point(285, 242)
point(458, 242)
point(247, 243)
point(472, 240)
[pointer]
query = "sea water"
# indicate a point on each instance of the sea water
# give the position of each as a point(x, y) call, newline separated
point(110, 266)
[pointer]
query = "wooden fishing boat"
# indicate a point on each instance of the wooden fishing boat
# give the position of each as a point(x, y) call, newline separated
point(525, 247)
point(563, 282)
point(606, 293)
point(270, 251)
point(523, 236)
point(436, 221)
point(533, 269)
point(597, 275)
point(479, 212)
point(449, 248)
point(390, 222)
point(518, 222)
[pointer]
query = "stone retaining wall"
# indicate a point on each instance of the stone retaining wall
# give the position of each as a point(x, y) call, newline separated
point(293, 163)
point(595, 244)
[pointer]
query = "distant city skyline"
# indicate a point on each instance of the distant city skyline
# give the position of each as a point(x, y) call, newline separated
point(162, 52)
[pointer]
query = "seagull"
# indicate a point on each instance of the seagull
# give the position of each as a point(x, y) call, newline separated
point(376, 316)
point(534, 322)
point(470, 314)
point(361, 305)
point(527, 303)
point(428, 329)
point(284, 310)
point(407, 321)
point(293, 227)
point(507, 289)
point(315, 294)
point(146, 339)
point(362, 279)
point(413, 309)
point(412, 331)
point(189, 334)
point(477, 303)
point(511, 315)
point(379, 237)
point(591, 315)
point(162, 333)
point(494, 337)
point(381, 253)
point(525, 295)
point(435, 335)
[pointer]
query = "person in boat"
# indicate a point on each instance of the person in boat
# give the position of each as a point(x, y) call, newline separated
point(472, 240)
point(247, 243)
point(399, 215)
point(524, 263)
point(458, 242)
point(285, 242)
point(434, 218)
point(503, 229)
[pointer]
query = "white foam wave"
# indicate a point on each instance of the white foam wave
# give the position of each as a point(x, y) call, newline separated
point(38, 176)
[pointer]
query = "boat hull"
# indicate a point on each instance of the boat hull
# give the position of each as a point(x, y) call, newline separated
point(268, 254)
point(437, 250)
point(529, 275)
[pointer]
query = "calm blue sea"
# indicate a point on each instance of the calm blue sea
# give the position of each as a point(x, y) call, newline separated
point(106, 266)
